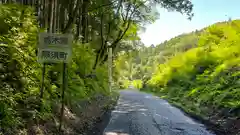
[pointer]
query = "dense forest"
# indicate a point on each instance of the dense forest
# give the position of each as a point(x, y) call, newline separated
point(198, 72)
point(96, 25)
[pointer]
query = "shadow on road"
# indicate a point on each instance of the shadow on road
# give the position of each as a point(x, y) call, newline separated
point(139, 113)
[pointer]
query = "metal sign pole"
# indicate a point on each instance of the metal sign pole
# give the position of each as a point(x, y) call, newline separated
point(63, 93)
point(42, 83)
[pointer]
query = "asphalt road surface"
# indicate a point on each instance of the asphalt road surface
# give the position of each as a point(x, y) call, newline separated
point(139, 113)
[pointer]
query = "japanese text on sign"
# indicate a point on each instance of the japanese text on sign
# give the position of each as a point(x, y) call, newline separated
point(55, 40)
point(54, 55)
point(54, 47)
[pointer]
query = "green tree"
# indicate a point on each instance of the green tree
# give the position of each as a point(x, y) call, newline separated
point(96, 25)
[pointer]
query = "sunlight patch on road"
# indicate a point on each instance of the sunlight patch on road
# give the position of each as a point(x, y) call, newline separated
point(142, 109)
point(148, 96)
point(115, 133)
point(144, 114)
point(118, 111)
point(125, 106)
point(161, 116)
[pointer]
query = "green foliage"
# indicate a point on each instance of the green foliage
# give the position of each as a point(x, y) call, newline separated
point(125, 84)
point(137, 84)
point(205, 79)
point(20, 103)
point(21, 74)
point(198, 71)
point(141, 64)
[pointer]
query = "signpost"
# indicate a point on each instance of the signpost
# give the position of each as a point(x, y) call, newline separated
point(54, 48)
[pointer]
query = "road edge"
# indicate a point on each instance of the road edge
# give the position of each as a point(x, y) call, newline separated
point(102, 121)
point(215, 128)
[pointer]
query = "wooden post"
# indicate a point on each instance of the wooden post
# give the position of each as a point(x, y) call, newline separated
point(110, 68)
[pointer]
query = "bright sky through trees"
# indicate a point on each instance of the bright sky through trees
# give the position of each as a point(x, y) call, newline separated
point(206, 13)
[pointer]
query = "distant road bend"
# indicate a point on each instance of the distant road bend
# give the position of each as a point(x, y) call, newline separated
point(139, 113)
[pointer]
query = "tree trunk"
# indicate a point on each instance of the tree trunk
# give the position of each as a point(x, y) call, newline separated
point(91, 30)
point(45, 10)
point(78, 23)
point(87, 28)
point(62, 17)
point(55, 16)
point(40, 13)
point(84, 20)
point(58, 15)
point(51, 13)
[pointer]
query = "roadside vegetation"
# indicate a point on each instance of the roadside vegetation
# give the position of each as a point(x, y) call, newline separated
point(96, 26)
point(20, 108)
point(198, 71)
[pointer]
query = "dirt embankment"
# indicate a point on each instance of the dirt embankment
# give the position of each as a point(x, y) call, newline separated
point(89, 118)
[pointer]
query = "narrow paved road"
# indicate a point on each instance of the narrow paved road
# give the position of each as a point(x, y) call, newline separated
point(139, 113)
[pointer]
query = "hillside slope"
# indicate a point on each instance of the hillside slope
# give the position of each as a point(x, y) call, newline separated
point(206, 79)
point(140, 64)
point(197, 71)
